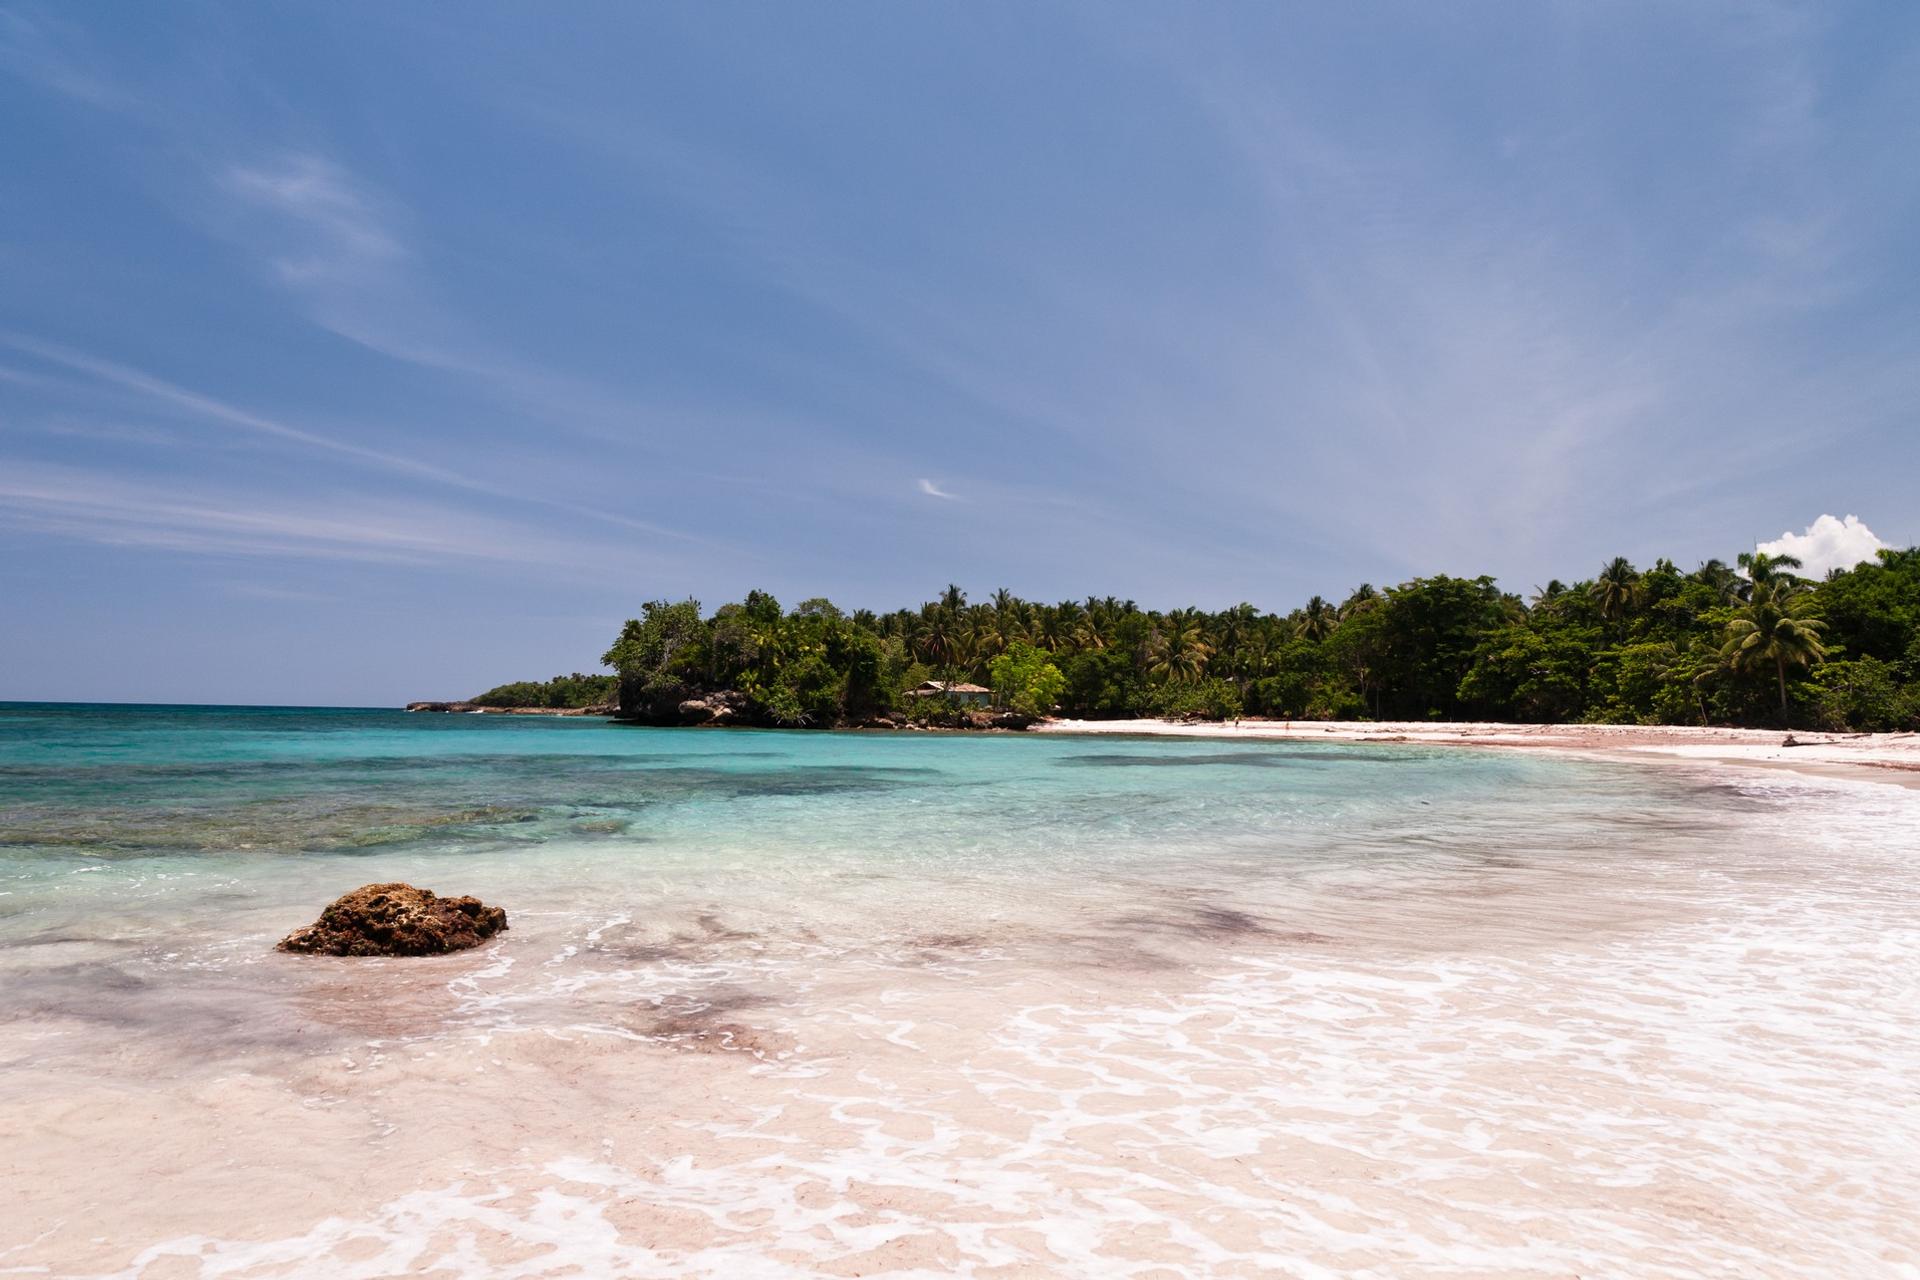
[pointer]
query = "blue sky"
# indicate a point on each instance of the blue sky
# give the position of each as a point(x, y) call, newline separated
point(358, 352)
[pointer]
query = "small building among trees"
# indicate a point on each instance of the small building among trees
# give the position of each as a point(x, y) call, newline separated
point(967, 695)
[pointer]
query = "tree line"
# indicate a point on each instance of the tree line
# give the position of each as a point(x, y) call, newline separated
point(560, 693)
point(1753, 643)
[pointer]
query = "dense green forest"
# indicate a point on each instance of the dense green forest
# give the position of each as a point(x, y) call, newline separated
point(1751, 644)
point(559, 693)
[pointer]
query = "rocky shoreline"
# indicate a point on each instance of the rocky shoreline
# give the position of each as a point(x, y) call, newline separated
point(731, 710)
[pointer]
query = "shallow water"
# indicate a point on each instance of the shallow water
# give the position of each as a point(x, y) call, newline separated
point(793, 1005)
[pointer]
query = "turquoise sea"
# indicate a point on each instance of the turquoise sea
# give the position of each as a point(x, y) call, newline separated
point(926, 1004)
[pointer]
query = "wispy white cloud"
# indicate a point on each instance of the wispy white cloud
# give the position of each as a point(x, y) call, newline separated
point(108, 432)
point(339, 247)
point(342, 249)
point(1828, 543)
point(274, 593)
point(47, 52)
point(1382, 323)
point(21, 378)
point(341, 233)
point(114, 510)
point(796, 245)
point(346, 252)
point(1496, 362)
point(209, 408)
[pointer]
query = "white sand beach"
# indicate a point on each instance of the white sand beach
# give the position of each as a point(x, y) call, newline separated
point(1880, 757)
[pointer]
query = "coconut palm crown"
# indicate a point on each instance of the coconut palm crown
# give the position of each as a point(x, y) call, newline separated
point(1317, 620)
point(1617, 589)
point(1773, 631)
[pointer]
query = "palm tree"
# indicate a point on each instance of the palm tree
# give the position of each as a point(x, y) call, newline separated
point(1255, 657)
point(1617, 589)
point(1724, 581)
point(938, 630)
point(970, 649)
point(1317, 620)
point(1767, 570)
point(989, 641)
point(1548, 596)
point(1365, 596)
point(1060, 625)
point(1773, 630)
point(1233, 627)
point(1178, 649)
point(1025, 625)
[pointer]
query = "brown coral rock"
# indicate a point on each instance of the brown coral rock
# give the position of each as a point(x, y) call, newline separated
point(396, 920)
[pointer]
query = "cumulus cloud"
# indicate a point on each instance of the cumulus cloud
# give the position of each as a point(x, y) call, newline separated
point(1828, 543)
